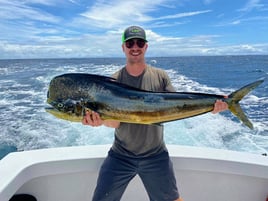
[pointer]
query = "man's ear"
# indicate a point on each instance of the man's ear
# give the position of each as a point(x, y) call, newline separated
point(146, 46)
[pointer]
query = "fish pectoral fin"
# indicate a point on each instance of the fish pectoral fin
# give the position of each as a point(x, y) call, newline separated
point(85, 110)
point(93, 106)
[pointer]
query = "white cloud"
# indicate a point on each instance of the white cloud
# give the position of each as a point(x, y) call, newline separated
point(116, 13)
point(43, 2)
point(57, 46)
point(249, 19)
point(101, 46)
point(235, 22)
point(18, 10)
point(180, 15)
point(242, 49)
point(96, 31)
point(250, 5)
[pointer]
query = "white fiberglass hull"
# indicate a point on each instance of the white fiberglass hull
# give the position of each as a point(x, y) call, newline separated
point(69, 174)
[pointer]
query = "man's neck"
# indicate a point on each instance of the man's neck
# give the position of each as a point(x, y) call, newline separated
point(135, 69)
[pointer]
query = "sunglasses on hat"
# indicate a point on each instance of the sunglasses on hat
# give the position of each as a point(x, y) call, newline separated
point(131, 42)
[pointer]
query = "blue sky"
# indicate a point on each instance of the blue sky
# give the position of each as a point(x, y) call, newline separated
point(83, 28)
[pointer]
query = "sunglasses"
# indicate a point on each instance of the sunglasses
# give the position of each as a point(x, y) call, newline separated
point(131, 42)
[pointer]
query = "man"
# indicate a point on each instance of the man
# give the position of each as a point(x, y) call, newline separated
point(138, 149)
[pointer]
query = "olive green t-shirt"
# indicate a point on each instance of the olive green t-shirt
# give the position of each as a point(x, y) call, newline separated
point(139, 140)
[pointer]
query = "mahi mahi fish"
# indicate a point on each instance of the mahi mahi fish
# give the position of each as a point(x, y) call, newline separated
point(71, 95)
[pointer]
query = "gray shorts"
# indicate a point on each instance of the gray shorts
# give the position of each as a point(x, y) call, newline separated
point(156, 173)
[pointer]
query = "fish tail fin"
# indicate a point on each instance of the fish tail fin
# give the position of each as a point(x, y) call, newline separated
point(236, 96)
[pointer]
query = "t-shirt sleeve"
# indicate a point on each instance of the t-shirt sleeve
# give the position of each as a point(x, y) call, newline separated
point(167, 82)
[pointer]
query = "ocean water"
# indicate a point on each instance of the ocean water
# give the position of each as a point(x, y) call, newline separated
point(25, 125)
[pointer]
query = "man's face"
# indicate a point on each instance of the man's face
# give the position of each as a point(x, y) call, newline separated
point(135, 49)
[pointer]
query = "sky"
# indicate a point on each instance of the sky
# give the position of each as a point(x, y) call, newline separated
point(85, 28)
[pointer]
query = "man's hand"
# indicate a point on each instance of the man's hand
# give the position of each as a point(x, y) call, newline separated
point(219, 106)
point(92, 119)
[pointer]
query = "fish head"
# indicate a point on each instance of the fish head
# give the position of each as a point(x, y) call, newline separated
point(68, 86)
point(67, 109)
point(66, 95)
point(71, 95)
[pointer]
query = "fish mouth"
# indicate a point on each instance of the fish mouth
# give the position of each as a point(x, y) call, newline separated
point(53, 111)
point(62, 115)
point(50, 108)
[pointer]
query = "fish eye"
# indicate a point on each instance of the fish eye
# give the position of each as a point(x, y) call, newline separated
point(60, 105)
